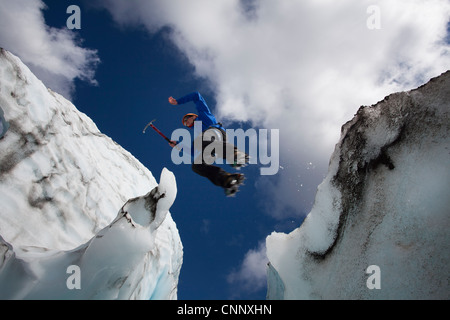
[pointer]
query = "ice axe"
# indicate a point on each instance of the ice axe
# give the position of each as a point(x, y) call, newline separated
point(150, 124)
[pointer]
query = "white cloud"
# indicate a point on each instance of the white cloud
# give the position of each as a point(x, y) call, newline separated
point(54, 55)
point(251, 275)
point(303, 67)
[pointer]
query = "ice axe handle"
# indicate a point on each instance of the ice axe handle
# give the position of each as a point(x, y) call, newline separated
point(150, 124)
point(159, 132)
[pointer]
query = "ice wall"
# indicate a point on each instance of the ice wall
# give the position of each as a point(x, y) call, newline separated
point(62, 184)
point(384, 203)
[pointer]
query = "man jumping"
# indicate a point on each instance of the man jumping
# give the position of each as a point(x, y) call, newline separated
point(212, 132)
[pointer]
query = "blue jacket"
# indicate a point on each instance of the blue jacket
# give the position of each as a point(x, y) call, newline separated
point(204, 114)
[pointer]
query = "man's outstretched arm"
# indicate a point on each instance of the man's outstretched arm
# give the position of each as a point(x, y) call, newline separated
point(196, 97)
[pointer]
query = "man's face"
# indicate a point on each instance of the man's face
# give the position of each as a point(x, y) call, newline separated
point(189, 121)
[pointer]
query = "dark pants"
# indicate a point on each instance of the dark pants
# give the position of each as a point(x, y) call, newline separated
point(215, 174)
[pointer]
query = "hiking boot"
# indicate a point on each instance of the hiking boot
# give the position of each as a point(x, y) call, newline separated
point(241, 160)
point(233, 180)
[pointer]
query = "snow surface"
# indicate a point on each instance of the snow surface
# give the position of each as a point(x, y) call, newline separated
point(65, 190)
point(384, 202)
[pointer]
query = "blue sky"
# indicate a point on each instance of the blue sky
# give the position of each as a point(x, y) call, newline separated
point(137, 73)
point(303, 67)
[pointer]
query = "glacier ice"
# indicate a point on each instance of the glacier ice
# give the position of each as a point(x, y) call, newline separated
point(71, 197)
point(4, 125)
point(128, 259)
point(383, 203)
